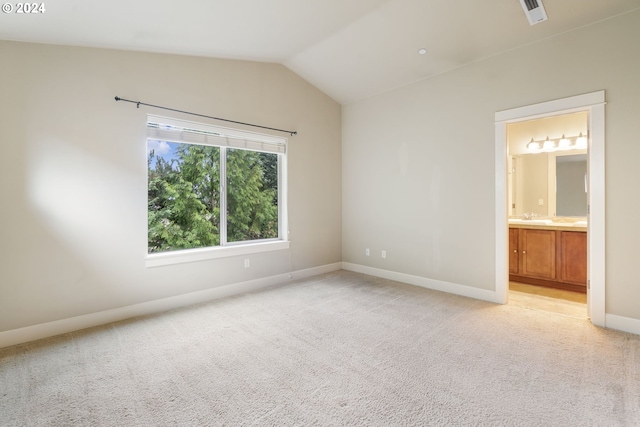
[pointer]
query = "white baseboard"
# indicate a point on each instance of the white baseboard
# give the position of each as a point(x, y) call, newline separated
point(49, 329)
point(436, 285)
point(625, 324)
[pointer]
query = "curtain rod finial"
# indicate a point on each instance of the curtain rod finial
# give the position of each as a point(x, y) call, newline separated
point(117, 98)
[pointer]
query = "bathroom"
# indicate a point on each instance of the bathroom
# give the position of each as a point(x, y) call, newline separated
point(547, 202)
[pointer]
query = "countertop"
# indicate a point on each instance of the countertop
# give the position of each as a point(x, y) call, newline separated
point(562, 224)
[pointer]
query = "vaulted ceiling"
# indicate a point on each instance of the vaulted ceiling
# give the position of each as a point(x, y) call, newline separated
point(350, 49)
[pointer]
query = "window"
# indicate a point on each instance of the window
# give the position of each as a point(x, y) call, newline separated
point(212, 187)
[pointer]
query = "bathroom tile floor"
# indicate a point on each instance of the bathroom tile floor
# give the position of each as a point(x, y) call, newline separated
point(567, 303)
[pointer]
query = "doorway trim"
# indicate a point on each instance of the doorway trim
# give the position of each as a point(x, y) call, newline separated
point(594, 104)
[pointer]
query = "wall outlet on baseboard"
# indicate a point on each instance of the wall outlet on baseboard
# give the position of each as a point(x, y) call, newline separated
point(383, 254)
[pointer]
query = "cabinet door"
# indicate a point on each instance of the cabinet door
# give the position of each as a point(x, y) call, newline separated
point(573, 247)
point(513, 251)
point(538, 253)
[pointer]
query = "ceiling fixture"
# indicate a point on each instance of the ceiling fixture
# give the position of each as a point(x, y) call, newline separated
point(422, 51)
point(534, 10)
point(565, 143)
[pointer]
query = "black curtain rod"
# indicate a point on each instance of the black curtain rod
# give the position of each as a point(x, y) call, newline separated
point(138, 104)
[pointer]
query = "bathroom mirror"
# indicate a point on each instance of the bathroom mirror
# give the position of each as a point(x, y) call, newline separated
point(571, 185)
point(549, 184)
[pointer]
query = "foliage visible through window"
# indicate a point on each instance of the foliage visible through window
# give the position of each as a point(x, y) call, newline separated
point(252, 195)
point(186, 195)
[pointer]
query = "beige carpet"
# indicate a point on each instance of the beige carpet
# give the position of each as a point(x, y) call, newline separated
point(335, 350)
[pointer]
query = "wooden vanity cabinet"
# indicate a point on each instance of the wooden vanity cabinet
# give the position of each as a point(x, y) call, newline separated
point(554, 258)
point(573, 249)
point(514, 263)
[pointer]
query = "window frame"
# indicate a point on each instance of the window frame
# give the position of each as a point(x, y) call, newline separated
point(225, 249)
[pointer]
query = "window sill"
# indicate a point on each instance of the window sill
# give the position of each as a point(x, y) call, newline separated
point(203, 254)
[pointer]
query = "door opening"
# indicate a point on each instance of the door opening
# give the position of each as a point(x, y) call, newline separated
point(547, 195)
point(593, 105)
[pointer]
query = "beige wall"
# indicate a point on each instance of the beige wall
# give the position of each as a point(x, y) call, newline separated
point(419, 168)
point(73, 175)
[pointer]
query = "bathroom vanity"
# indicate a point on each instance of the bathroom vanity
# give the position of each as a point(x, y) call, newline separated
point(548, 253)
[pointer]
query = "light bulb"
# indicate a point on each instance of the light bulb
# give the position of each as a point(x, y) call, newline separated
point(533, 145)
point(581, 141)
point(564, 142)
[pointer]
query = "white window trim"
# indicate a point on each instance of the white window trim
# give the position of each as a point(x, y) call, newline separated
point(236, 248)
point(214, 252)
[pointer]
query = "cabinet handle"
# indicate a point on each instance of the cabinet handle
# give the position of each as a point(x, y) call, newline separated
point(524, 252)
point(515, 251)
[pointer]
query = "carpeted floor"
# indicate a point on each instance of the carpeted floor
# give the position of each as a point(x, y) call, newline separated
point(334, 350)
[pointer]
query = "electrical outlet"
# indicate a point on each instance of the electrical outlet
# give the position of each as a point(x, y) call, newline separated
point(367, 252)
point(384, 254)
point(247, 263)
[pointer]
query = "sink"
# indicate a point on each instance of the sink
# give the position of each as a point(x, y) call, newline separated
point(530, 221)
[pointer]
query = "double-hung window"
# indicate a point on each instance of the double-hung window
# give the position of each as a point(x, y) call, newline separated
point(212, 191)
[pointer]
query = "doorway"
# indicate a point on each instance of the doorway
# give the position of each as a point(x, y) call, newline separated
point(547, 182)
point(592, 103)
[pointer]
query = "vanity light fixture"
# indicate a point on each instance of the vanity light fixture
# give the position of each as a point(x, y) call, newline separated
point(558, 144)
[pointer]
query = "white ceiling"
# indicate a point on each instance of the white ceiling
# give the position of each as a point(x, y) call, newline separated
point(350, 49)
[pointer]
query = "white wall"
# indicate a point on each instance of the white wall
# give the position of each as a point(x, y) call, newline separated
point(418, 162)
point(73, 175)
